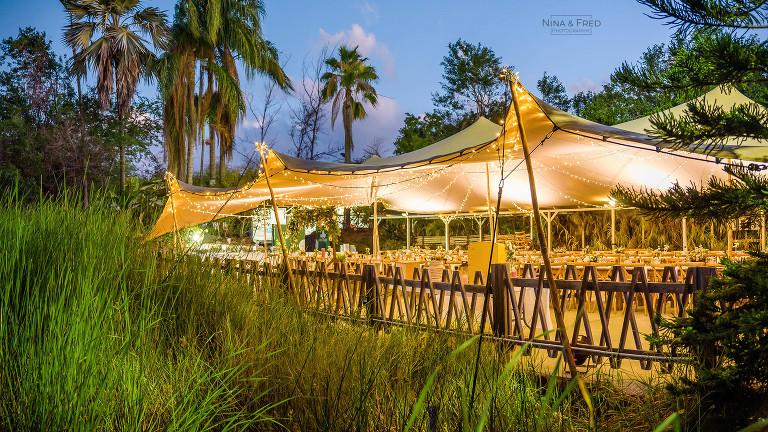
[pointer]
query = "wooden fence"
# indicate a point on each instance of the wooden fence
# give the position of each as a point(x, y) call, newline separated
point(361, 293)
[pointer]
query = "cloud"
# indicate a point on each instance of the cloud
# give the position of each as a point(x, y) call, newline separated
point(250, 123)
point(585, 85)
point(365, 42)
point(369, 12)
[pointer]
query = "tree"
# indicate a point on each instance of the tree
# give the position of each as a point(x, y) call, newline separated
point(348, 84)
point(421, 131)
point(725, 329)
point(209, 33)
point(470, 81)
point(553, 92)
point(119, 54)
point(618, 102)
point(54, 138)
point(714, 48)
point(308, 117)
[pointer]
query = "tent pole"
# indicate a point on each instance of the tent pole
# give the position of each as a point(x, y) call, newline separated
point(555, 295)
point(685, 235)
point(279, 228)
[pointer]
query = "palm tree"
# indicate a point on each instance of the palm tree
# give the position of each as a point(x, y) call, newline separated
point(217, 34)
point(349, 79)
point(119, 55)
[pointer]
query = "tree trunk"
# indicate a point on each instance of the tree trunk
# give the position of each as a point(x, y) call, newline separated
point(348, 145)
point(222, 163)
point(190, 131)
point(211, 156)
point(202, 156)
point(122, 157)
point(212, 150)
point(201, 131)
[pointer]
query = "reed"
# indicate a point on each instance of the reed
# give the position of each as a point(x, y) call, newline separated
point(97, 332)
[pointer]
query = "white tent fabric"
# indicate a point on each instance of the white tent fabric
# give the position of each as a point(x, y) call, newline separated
point(576, 163)
point(748, 149)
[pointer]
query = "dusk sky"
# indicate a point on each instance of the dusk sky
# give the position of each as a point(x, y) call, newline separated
point(406, 42)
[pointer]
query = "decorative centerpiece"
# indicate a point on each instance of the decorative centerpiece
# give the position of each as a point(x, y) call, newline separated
point(698, 254)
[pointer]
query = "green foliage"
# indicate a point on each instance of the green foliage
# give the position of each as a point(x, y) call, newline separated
point(347, 84)
point(52, 136)
point(618, 101)
point(319, 218)
point(98, 334)
point(713, 47)
point(472, 89)
point(725, 332)
point(719, 201)
point(421, 131)
point(470, 80)
point(553, 92)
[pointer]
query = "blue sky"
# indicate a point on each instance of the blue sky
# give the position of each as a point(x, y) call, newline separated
point(407, 40)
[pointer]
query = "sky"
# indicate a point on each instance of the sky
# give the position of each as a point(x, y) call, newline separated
point(406, 41)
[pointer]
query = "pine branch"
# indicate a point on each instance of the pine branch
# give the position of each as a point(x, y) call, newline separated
point(707, 126)
point(687, 15)
point(703, 61)
point(718, 201)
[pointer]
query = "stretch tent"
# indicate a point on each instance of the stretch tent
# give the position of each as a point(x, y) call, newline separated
point(576, 163)
point(750, 149)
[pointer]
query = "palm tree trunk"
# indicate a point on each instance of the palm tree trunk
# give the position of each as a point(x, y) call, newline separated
point(211, 155)
point(122, 156)
point(212, 150)
point(190, 131)
point(202, 156)
point(201, 131)
point(222, 162)
point(348, 144)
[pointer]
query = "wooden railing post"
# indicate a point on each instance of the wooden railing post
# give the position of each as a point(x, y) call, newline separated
point(369, 287)
point(500, 299)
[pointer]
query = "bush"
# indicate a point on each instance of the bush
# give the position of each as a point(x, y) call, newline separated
point(726, 332)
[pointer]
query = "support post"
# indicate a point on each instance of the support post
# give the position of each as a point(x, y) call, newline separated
point(279, 228)
point(407, 231)
point(730, 240)
point(613, 228)
point(446, 221)
point(549, 216)
point(685, 235)
point(555, 295)
point(266, 250)
point(762, 232)
point(488, 195)
point(501, 327)
point(375, 197)
point(530, 219)
point(480, 227)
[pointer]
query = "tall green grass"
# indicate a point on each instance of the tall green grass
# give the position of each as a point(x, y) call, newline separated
point(93, 336)
point(97, 332)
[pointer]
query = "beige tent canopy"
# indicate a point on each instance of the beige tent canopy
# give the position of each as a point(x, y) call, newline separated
point(577, 162)
point(748, 149)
